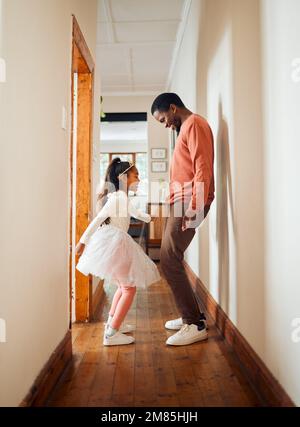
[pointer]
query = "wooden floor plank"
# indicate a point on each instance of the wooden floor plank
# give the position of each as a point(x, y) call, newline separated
point(186, 382)
point(149, 373)
point(102, 387)
point(144, 381)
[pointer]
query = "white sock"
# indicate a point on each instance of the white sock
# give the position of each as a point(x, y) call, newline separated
point(110, 331)
point(109, 319)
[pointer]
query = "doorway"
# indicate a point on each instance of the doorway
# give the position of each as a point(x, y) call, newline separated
point(80, 170)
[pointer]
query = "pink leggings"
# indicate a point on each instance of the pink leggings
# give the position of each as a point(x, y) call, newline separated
point(121, 304)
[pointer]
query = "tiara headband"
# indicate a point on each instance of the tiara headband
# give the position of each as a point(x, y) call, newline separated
point(126, 169)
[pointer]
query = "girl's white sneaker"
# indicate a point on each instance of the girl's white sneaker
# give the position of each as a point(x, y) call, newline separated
point(117, 339)
point(125, 329)
point(174, 324)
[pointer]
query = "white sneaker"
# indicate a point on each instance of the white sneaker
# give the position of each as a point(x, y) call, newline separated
point(177, 324)
point(174, 324)
point(117, 339)
point(188, 334)
point(124, 329)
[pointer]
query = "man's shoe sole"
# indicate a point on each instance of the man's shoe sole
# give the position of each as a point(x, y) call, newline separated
point(192, 341)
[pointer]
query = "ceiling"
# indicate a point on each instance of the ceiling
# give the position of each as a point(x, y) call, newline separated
point(124, 131)
point(137, 44)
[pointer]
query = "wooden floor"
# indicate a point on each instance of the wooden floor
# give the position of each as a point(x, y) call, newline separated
point(149, 373)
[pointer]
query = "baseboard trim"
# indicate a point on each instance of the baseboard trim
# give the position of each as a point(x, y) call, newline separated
point(263, 381)
point(49, 375)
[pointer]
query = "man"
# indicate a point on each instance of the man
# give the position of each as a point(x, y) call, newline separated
point(191, 194)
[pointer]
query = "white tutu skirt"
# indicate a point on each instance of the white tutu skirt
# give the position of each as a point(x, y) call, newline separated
point(113, 255)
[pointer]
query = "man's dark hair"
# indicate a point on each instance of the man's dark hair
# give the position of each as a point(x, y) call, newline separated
point(164, 100)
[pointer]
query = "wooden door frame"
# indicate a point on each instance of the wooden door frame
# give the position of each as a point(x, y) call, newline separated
point(83, 64)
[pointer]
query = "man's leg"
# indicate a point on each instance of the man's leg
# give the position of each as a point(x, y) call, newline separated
point(174, 243)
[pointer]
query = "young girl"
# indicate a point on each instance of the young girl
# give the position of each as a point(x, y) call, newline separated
point(109, 252)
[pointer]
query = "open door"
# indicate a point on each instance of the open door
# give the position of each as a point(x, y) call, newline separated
point(81, 162)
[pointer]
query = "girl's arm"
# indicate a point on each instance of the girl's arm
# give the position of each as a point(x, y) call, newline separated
point(109, 209)
point(137, 213)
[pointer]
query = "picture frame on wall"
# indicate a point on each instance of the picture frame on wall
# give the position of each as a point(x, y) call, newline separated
point(158, 153)
point(159, 166)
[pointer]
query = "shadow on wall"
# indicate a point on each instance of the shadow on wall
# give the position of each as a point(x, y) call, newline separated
point(223, 199)
point(229, 79)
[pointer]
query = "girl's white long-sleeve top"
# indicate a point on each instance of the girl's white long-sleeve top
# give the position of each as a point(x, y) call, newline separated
point(119, 208)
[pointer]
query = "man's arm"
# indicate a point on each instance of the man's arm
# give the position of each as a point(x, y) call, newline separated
point(200, 145)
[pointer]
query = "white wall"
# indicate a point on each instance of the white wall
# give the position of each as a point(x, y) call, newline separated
point(123, 146)
point(281, 94)
point(186, 88)
point(246, 253)
point(158, 136)
point(36, 44)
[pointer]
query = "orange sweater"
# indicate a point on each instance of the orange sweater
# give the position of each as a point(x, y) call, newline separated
point(192, 163)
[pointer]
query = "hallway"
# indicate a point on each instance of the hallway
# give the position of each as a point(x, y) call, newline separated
point(79, 83)
point(149, 373)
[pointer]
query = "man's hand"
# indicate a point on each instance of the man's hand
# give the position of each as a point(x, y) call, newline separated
point(191, 220)
point(186, 222)
point(80, 248)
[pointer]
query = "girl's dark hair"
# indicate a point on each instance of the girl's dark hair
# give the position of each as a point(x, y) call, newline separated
point(111, 181)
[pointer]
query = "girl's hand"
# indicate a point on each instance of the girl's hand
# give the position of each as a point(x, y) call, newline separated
point(79, 248)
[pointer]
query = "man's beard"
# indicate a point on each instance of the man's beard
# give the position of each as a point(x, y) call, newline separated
point(178, 126)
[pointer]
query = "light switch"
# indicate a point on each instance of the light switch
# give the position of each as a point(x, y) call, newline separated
point(2, 71)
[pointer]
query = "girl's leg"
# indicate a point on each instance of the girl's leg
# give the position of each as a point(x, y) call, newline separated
point(115, 301)
point(123, 306)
